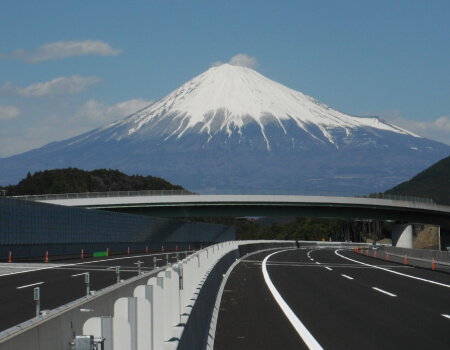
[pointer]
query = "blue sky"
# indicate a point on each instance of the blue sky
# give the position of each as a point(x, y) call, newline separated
point(69, 66)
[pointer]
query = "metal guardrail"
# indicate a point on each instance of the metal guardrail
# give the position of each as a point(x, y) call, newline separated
point(115, 194)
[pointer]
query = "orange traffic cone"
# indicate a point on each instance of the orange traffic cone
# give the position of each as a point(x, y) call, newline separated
point(46, 256)
point(10, 256)
point(432, 265)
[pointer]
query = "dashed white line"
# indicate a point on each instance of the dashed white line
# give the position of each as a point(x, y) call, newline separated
point(348, 277)
point(446, 316)
point(30, 285)
point(302, 331)
point(328, 268)
point(384, 292)
point(318, 263)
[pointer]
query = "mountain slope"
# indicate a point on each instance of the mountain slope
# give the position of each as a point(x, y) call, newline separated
point(433, 182)
point(232, 128)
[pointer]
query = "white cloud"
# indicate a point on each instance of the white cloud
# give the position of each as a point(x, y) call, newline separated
point(61, 124)
point(8, 112)
point(244, 61)
point(438, 130)
point(240, 60)
point(58, 86)
point(95, 113)
point(63, 49)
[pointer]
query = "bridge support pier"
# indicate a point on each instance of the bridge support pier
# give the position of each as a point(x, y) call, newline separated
point(402, 235)
point(444, 236)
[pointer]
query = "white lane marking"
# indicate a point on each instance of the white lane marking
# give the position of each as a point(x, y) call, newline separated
point(311, 259)
point(307, 337)
point(30, 285)
point(79, 274)
point(446, 316)
point(384, 292)
point(394, 272)
point(317, 262)
point(328, 268)
point(83, 263)
point(348, 277)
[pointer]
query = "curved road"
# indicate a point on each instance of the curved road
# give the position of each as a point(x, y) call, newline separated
point(342, 299)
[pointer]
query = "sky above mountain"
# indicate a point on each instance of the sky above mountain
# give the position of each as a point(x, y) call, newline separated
point(68, 67)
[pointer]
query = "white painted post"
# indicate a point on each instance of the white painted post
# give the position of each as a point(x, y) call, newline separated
point(101, 327)
point(167, 321)
point(126, 309)
point(145, 302)
point(157, 309)
point(175, 288)
point(121, 334)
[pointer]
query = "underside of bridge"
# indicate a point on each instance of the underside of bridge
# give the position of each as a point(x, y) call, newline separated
point(402, 230)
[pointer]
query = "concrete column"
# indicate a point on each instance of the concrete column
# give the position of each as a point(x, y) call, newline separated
point(402, 235)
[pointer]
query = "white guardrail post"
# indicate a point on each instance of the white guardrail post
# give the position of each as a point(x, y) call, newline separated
point(125, 324)
point(154, 317)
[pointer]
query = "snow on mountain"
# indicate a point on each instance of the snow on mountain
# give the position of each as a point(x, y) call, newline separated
point(227, 97)
point(232, 128)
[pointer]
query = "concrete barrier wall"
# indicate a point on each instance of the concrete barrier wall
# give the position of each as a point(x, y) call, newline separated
point(57, 329)
point(168, 308)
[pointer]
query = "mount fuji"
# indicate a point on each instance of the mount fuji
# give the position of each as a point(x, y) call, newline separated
point(232, 128)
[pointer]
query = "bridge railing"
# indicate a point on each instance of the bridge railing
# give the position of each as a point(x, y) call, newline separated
point(146, 193)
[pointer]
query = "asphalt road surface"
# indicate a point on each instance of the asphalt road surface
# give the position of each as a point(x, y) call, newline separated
point(333, 299)
point(61, 283)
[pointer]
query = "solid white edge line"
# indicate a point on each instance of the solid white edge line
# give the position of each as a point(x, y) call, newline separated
point(30, 285)
point(383, 291)
point(446, 316)
point(348, 277)
point(307, 337)
point(394, 272)
point(57, 266)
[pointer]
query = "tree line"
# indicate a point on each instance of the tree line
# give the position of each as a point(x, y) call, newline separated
point(73, 180)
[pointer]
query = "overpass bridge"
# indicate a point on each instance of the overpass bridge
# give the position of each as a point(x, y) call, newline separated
point(403, 210)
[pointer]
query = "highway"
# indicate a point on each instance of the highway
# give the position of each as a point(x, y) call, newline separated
point(61, 283)
point(332, 299)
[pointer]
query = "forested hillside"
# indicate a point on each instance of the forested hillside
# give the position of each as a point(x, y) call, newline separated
point(73, 180)
point(433, 182)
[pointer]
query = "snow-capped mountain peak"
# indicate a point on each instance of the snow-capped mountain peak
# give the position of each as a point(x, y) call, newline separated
point(226, 97)
point(232, 128)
